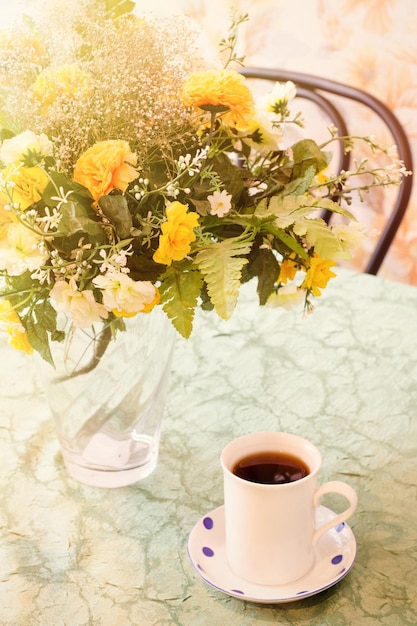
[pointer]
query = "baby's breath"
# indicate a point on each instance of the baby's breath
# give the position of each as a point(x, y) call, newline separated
point(121, 75)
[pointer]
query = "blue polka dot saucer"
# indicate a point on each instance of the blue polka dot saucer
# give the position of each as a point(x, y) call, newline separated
point(335, 555)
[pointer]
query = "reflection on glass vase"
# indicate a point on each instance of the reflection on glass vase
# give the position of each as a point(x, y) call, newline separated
point(108, 406)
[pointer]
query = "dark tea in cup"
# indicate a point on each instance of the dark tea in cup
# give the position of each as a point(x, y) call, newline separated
point(271, 468)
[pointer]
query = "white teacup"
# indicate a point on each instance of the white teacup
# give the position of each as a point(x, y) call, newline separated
point(270, 529)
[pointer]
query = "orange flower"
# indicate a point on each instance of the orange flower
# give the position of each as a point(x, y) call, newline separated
point(220, 91)
point(318, 275)
point(288, 270)
point(177, 234)
point(107, 165)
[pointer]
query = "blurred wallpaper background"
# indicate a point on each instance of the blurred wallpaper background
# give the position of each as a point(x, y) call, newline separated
point(370, 44)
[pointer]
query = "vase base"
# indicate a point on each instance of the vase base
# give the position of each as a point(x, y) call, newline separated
point(108, 459)
point(106, 478)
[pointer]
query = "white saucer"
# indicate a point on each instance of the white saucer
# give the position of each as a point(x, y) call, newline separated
point(335, 554)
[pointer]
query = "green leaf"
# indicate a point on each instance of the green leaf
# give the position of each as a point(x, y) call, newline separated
point(46, 315)
point(5, 133)
point(142, 266)
point(75, 218)
point(59, 182)
point(267, 270)
point(221, 265)
point(326, 243)
point(40, 324)
point(307, 154)
point(233, 177)
point(38, 338)
point(179, 297)
point(330, 205)
point(115, 208)
point(20, 286)
point(301, 184)
point(201, 206)
point(118, 7)
point(288, 240)
point(289, 209)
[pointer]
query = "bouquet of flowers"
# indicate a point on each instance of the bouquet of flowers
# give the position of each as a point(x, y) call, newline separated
point(133, 176)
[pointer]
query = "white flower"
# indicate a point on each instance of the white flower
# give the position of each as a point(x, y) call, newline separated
point(20, 249)
point(266, 133)
point(84, 310)
point(17, 147)
point(220, 203)
point(280, 94)
point(349, 236)
point(287, 297)
point(124, 296)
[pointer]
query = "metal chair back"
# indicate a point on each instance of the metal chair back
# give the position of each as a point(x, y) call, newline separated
point(312, 88)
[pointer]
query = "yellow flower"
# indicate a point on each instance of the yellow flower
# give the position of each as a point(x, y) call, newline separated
point(107, 165)
point(318, 275)
point(6, 215)
point(64, 82)
point(288, 270)
point(322, 177)
point(28, 184)
point(177, 234)
point(148, 306)
point(220, 91)
point(13, 326)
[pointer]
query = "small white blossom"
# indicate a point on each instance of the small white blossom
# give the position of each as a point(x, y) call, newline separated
point(42, 275)
point(220, 203)
point(116, 261)
point(62, 198)
point(172, 190)
point(192, 166)
point(50, 220)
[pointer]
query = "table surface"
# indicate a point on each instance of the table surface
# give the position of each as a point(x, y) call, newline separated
point(345, 377)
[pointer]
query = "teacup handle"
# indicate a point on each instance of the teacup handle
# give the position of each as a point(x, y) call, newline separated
point(335, 486)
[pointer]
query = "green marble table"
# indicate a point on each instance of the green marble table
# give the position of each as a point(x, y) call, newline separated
point(345, 376)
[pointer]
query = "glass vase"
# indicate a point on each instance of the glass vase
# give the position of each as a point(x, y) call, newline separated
point(107, 397)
